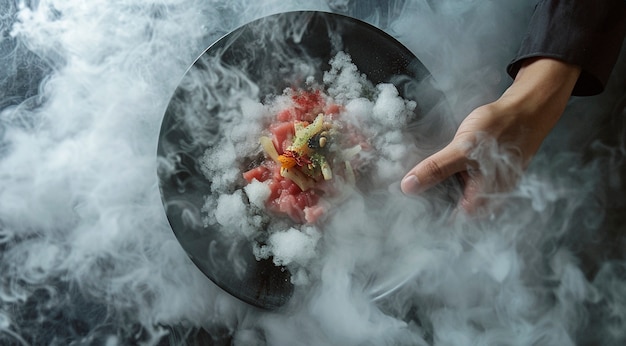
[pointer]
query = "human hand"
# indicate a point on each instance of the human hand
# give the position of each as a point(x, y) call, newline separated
point(495, 142)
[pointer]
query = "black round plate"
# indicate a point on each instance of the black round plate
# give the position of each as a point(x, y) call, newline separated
point(269, 53)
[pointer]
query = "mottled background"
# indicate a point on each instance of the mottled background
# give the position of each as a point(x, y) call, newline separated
point(87, 256)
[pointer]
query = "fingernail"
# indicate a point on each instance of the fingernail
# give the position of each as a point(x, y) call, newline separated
point(410, 185)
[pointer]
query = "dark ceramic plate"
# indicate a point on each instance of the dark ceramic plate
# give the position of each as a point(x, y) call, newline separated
point(269, 53)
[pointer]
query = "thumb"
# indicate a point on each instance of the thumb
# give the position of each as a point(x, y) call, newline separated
point(435, 169)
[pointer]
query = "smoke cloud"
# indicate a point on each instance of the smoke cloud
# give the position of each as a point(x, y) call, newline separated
point(87, 255)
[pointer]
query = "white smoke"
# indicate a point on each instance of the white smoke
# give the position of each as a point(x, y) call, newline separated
point(87, 255)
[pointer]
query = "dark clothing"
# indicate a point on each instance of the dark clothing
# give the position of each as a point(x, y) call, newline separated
point(588, 33)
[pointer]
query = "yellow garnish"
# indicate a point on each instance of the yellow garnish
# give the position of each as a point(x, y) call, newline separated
point(303, 134)
point(303, 182)
point(326, 171)
point(268, 147)
point(350, 178)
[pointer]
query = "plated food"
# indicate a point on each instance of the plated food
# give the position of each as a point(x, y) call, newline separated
point(295, 157)
point(228, 99)
point(310, 155)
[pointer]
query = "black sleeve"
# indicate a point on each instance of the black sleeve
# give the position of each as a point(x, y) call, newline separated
point(588, 33)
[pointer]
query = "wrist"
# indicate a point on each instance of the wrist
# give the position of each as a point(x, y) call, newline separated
point(541, 90)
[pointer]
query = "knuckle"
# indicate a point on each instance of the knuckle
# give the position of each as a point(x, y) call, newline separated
point(465, 147)
point(434, 169)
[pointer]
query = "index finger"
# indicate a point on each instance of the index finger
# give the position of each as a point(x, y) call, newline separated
point(435, 169)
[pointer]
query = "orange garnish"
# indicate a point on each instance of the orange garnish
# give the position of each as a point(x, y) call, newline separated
point(286, 161)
